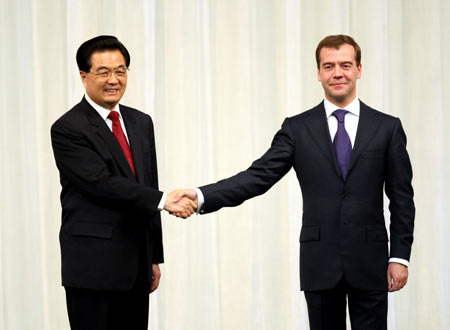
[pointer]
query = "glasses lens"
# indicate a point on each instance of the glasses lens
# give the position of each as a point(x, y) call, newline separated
point(105, 73)
point(121, 72)
point(102, 73)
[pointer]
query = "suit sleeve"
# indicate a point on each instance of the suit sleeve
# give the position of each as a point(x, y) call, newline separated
point(157, 255)
point(80, 164)
point(257, 179)
point(400, 193)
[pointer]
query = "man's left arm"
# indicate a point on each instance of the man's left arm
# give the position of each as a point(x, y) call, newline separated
point(401, 206)
point(156, 231)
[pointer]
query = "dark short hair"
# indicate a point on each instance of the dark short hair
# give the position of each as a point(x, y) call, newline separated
point(98, 44)
point(336, 41)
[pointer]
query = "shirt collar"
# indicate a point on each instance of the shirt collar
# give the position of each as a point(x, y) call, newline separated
point(353, 107)
point(103, 112)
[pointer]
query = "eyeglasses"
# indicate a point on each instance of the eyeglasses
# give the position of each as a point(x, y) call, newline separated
point(120, 72)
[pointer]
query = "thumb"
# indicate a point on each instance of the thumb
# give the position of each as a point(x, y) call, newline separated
point(178, 196)
point(390, 284)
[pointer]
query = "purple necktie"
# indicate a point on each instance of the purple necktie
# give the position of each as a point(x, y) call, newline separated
point(342, 144)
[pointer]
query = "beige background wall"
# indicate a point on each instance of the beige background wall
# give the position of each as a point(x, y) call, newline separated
point(218, 77)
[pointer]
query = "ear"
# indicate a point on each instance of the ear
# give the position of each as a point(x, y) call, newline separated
point(83, 75)
point(359, 71)
point(318, 75)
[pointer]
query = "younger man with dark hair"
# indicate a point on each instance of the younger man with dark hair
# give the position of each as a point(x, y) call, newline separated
point(344, 153)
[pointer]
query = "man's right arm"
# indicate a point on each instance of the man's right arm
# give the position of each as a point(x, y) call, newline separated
point(256, 180)
point(86, 170)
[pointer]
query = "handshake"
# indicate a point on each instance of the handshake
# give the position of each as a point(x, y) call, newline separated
point(181, 203)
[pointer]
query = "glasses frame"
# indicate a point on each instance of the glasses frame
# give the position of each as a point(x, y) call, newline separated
point(110, 72)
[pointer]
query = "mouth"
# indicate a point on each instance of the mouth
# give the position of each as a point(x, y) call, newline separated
point(111, 91)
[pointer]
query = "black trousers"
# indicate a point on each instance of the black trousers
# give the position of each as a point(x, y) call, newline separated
point(327, 308)
point(103, 310)
point(110, 310)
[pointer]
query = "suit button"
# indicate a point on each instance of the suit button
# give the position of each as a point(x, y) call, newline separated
point(344, 197)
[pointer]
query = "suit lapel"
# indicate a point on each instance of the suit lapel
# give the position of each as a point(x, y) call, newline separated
point(135, 142)
point(368, 124)
point(108, 138)
point(316, 123)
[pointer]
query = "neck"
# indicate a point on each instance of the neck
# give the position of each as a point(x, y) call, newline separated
point(341, 103)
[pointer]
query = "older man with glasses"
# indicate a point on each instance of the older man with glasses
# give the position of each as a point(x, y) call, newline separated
point(111, 241)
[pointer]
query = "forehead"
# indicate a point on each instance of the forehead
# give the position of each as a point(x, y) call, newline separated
point(107, 58)
point(344, 53)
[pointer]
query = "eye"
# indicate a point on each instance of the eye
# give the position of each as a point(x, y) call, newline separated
point(121, 72)
point(103, 73)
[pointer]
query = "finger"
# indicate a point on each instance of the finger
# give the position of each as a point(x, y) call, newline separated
point(403, 283)
point(402, 279)
point(193, 204)
point(155, 284)
point(187, 213)
point(396, 285)
point(178, 196)
point(189, 208)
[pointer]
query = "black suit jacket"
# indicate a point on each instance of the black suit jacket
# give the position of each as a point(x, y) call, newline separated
point(110, 223)
point(343, 228)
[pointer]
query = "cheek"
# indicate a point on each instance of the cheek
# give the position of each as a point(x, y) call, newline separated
point(355, 76)
point(326, 79)
point(95, 87)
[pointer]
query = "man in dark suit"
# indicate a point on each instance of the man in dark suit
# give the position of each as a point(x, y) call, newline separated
point(344, 153)
point(111, 240)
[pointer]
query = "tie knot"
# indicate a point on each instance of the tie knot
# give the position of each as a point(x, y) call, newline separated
point(340, 114)
point(114, 116)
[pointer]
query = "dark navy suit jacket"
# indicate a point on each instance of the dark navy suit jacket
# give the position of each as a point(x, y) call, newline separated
point(343, 228)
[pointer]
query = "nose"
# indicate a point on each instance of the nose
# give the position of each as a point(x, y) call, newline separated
point(337, 72)
point(112, 79)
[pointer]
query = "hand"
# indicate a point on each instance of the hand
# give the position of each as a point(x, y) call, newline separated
point(189, 193)
point(156, 276)
point(397, 275)
point(182, 207)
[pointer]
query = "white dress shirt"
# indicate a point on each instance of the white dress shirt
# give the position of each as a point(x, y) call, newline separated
point(351, 119)
point(104, 113)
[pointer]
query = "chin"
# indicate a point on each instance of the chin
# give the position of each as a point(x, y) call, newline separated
point(112, 100)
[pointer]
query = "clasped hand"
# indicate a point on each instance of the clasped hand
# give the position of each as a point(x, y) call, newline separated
point(181, 203)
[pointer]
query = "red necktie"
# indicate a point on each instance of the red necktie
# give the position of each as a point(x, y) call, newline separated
point(120, 136)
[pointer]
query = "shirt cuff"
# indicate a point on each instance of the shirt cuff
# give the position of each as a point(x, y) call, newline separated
point(399, 261)
point(162, 202)
point(201, 200)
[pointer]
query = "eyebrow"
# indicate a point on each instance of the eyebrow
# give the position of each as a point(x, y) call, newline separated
point(104, 67)
point(333, 63)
